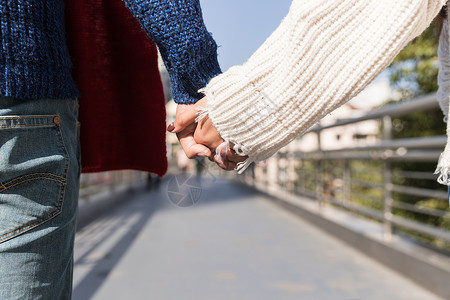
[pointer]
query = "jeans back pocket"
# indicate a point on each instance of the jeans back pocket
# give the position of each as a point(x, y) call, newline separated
point(33, 172)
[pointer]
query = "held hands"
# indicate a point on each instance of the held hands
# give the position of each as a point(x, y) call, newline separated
point(202, 138)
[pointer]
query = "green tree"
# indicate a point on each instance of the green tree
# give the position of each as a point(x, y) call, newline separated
point(414, 71)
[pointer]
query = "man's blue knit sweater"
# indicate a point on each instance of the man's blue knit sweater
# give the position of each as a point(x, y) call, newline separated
point(35, 63)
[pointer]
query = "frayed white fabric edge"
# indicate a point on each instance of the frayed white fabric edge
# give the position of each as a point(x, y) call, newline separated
point(201, 114)
point(443, 95)
point(240, 167)
point(443, 168)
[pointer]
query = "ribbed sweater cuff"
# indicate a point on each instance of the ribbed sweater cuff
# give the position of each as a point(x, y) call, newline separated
point(245, 115)
point(187, 48)
point(186, 85)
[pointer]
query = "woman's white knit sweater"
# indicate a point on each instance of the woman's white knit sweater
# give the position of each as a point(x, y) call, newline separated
point(323, 54)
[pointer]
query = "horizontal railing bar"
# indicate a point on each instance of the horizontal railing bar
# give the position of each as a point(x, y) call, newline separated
point(416, 175)
point(364, 183)
point(366, 197)
point(305, 177)
point(333, 168)
point(305, 193)
point(415, 155)
point(400, 144)
point(415, 149)
point(363, 210)
point(413, 208)
point(399, 221)
point(394, 110)
point(423, 228)
point(409, 143)
point(412, 191)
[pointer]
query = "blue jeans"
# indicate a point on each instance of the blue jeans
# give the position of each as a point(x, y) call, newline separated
point(39, 181)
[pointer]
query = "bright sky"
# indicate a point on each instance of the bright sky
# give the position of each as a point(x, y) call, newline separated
point(241, 26)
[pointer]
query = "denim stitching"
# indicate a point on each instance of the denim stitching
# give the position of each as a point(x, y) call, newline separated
point(31, 179)
point(32, 174)
point(36, 223)
point(27, 117)
point(38, 117)
point(27, 125)
point(20, 230)
point(66, 167)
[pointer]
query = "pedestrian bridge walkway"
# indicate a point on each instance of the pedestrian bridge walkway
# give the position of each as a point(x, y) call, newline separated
point(233, 243)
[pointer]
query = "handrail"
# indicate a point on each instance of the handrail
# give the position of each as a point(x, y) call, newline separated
point(92, 184)
point(393, 110)
point(286, 168)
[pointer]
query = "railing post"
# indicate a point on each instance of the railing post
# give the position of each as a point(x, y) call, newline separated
point(388, 201)
point(319, 173)
point(319, 183)
point(266, 175)
point(300, 177)
point(347, 182)
point(113, 184)
point(87, 186)
point(272, 173)
point(291, 176)
point(387, 128)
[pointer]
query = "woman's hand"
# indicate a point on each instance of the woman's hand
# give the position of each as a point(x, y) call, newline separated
point(201, 139)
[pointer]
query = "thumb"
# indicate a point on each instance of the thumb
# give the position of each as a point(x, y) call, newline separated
point(183, 119)
point(186, 115)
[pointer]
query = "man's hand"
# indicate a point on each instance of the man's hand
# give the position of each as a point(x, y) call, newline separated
point(201, 139)
point(184, 126)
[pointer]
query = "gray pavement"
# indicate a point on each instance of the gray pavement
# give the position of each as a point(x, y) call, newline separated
point(232, 244)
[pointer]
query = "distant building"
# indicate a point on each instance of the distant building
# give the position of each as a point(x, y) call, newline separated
point(352, 135)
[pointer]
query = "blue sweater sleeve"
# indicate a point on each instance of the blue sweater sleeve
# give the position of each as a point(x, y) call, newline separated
point(187, 48)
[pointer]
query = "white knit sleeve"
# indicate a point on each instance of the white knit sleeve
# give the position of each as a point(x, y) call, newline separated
point(443, 97)
point(323, 54)
point(443, 92)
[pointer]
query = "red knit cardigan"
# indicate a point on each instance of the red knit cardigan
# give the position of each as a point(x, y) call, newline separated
point(122, 107)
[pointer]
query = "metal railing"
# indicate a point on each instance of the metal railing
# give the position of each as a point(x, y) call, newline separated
point(92, 184)
point(368, 180)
